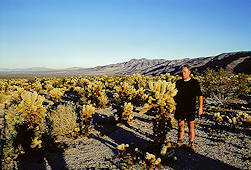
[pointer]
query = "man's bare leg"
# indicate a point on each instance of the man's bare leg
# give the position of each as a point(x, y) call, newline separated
point(181, 125)
point(191, 134)
point(191, 131)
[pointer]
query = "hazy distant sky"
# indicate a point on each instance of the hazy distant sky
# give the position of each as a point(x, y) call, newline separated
point(87, 33)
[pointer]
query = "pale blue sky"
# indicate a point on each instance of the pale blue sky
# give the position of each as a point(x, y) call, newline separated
point(88, 33)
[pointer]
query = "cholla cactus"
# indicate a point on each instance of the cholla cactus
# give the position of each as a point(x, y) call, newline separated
point(162, 104)
point(86, 117)
point(5, 99)
point(138, 97)
point(124, 90)
point(124, 111)
point(56, 94)
point(167, 145)
point(139, 81)
point(96, 93)
point(218, 117)
point(152, 159)
point(161, 97)
point(244, 117)
point(27, 120)
point(49, 86)
point(169, 78)
point(122, 147)
point(37, 86)
point(127, 113)
point(234, 121)
point(36, 143)
point(32, 109)
point(16, 96)
point(9, 150)
point(88, 111)
point(103, 100)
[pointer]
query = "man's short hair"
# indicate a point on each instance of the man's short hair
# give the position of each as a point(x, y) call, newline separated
point(187, 66)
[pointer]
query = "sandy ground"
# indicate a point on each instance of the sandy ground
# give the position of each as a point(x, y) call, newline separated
point(223, 150)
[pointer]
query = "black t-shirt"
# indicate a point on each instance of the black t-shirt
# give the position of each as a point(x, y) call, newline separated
point(186, 96)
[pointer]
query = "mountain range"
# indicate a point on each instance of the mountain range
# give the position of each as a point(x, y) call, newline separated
point(235, 62)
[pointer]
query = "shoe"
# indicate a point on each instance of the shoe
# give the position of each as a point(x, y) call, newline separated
point(191, 146)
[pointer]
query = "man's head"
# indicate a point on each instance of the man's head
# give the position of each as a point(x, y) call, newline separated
point(186, 72)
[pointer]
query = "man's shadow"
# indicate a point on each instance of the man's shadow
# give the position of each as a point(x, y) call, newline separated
point(186, 159)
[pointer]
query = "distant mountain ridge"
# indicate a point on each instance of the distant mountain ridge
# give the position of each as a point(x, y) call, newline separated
point(235, 62)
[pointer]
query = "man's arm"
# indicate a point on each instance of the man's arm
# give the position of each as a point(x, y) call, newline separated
point(200, 105)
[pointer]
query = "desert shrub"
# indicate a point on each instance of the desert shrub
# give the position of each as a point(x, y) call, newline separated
point(234, 120)
point(223, 85)
point(63, 120)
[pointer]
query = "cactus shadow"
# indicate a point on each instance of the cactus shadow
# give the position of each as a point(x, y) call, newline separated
point(107, 126)
point(139, 131)
point(122, 135)
point(104, 124)
point(51, 154)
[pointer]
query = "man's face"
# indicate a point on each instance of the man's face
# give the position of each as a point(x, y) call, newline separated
point(185, 73)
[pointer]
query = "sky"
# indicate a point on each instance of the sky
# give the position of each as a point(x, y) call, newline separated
point(89, 33)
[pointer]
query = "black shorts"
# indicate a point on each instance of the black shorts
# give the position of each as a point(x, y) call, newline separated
point(188, 116)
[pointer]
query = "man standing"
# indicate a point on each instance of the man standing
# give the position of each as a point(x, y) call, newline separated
point(188, 89)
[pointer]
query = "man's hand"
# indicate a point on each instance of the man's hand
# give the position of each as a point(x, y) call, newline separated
point(200, 111)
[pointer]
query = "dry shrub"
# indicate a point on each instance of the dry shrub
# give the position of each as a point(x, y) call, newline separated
point(63, 120)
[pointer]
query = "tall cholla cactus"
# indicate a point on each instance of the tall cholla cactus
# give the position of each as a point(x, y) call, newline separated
point(162, 104)
point(86, 117)
point(32, 109)
point(127, 114)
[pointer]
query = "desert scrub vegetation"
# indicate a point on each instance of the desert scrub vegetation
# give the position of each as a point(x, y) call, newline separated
point(65, 106)
point(223, 86)
point(63, 120)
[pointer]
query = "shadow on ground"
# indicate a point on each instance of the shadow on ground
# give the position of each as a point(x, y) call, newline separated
point(191, 160)
point(52, 152)
point(106, 126)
